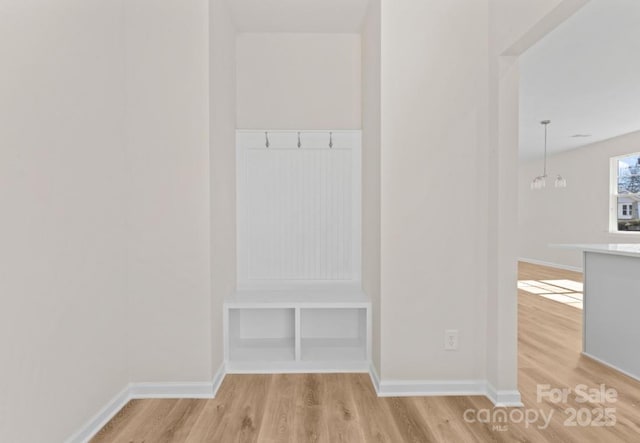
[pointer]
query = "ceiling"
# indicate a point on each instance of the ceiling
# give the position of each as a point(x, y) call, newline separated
point(584, 77)
point(319, 16)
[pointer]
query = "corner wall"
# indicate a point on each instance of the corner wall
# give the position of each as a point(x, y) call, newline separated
point(222, 167)
point(434, 89)
point(576, 214)
point(371, 112)
point(449, 96)
point(514, 27)
point(167, 139)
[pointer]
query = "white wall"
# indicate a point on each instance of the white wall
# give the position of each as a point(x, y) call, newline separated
point(222, 167)
point(298, 81)
point(69, 160)
point(576, 214)
point(433, 98)
point(448, 129)
point(167, 130)
point(371, 46)
point(62, 186)
point(514, 27)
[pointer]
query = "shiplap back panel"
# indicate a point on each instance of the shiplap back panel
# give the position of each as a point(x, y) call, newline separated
point(298, 208)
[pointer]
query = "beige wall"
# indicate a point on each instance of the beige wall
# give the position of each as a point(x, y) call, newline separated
point(371, 108)
point(298, 81)
point(576, 214)
point(222, 168)
point(514, 27)
point(448, 129)
point(62, 255)
point(432, 102)
point(113, 192)
point(167, 127)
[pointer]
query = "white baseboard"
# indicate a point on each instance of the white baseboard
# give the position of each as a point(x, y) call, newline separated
point(91, 428)
point(429, 388)
point(550, 264)
point(375, 379)
point(147, 390)
point(602, 362)
point(218, 378)
point(171, 390)
point(504, 398)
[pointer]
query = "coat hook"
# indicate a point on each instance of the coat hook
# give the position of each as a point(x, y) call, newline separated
point(299, 142)
point(330, 140)
point(266, 137)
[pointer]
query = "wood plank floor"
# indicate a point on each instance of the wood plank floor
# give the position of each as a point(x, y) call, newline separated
point(344, 407)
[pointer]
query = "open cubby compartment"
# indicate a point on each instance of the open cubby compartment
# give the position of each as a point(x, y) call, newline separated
point(261, 335)
point(333, 334)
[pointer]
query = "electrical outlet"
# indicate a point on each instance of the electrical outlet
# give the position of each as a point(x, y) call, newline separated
point(451, 339)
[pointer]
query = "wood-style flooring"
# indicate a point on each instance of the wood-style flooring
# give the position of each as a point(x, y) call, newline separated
point(344, 407)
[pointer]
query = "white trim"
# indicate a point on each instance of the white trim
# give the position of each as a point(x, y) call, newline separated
point(550, 264)
point(609, 365)
point(97, 422)
point(146, 390)
point(426, 388)
point(375, 379)
point(504, 399)
point(171, 390)
point(218, 378)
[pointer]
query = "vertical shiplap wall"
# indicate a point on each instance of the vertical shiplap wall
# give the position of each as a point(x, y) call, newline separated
point(298, 208)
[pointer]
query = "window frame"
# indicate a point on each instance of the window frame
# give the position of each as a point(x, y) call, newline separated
point(613, 194)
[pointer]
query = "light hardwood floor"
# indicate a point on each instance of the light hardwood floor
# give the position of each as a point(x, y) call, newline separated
point(344, 407)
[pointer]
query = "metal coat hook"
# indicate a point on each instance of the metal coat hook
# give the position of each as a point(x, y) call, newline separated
point(330, 140)
point(299, 142)
point(266, 137)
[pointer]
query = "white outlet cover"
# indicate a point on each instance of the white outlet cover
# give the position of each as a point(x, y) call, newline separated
point(451, 339)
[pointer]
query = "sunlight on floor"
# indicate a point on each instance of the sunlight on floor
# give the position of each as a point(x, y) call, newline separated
point(568, 292)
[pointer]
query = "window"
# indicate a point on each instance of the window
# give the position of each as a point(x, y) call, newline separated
point(625, 195)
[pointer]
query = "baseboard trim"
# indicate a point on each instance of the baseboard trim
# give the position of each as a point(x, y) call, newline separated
point(375, 379)
point(218, 378)
point(504, 398)
point(171, 390)
point(550, 264)
point(428, 388)
point(91, 428)
point(147, 390)
point(431, 388)
point(609, 365)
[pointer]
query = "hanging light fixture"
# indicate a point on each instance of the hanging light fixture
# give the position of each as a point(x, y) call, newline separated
point(541, 181)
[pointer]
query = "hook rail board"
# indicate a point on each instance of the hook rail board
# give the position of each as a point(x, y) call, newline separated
point(298, 207)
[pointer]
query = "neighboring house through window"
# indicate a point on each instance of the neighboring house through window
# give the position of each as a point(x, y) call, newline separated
point(625, 196)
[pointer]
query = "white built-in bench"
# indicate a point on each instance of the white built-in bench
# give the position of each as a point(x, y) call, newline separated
point(297, 331)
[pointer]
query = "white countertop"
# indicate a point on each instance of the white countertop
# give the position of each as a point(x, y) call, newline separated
point(629, 249)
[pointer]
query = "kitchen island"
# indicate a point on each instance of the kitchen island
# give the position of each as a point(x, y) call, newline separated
point(611, 317)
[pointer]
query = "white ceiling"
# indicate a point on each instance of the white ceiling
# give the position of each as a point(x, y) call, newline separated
point(313, 16)
point(584, 77)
